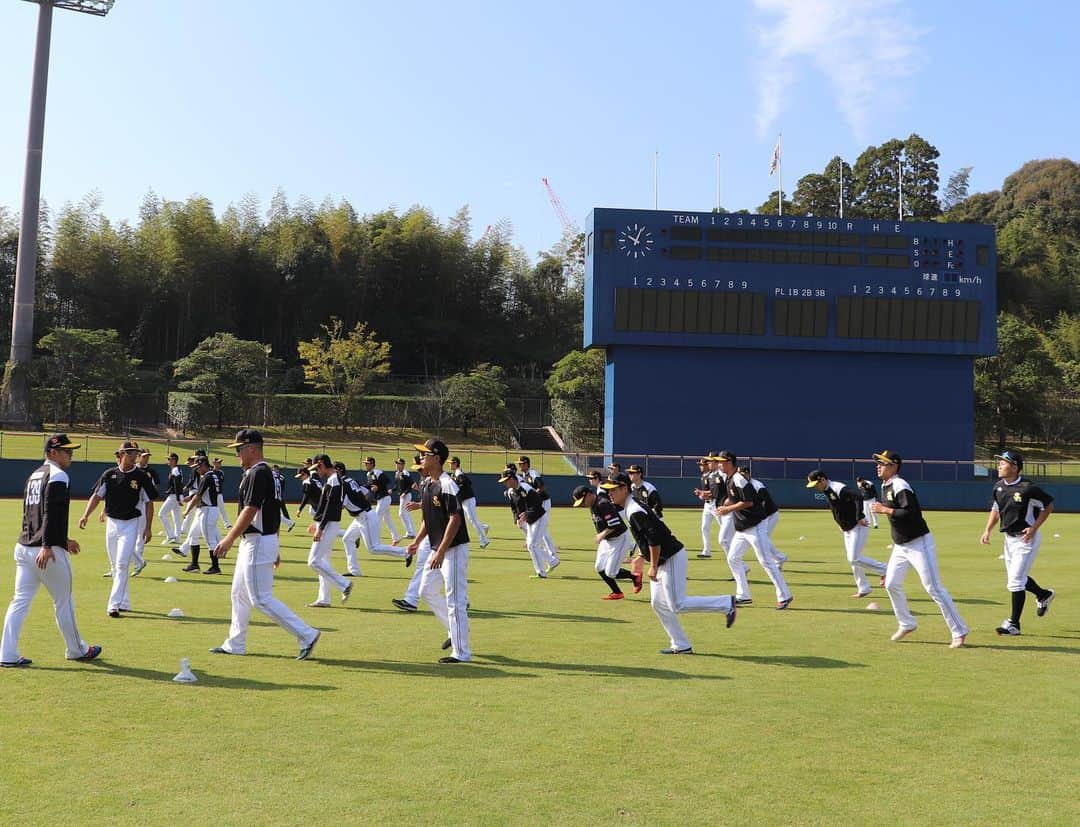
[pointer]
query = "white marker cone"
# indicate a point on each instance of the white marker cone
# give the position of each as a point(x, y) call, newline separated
point(176, 613)
point(185, 675)
point(872, 607)
point(170, 579)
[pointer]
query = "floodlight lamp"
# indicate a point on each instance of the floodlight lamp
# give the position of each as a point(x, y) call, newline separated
point(98, 7)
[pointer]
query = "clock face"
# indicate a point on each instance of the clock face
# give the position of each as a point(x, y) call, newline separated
point(635, 240)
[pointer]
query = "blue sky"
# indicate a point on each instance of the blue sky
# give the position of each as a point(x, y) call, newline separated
point(473, 102)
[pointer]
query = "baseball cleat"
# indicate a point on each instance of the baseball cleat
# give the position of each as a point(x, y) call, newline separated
point(190, 567)
point(213, 570)
point(743, 601)
point(704, 555)
point(783, 604)
point(409, 560)
point(318, 605)
point(730, 615)
point(613, 596)
point(539, 576)
point(220, 650)
point(861, 594)
point(673, 651)
point(306, 651)
point(450, 659)
point(1007, 627)
point(114, 613)
point(346, 592)
point(404, 605)
point(179, 551)
point(957, 642)
point(138, 568)
point(485, 544)
point(446, 644)
point(16, 664)
point(1044, 605)
point(91, 653)
point(902, 633)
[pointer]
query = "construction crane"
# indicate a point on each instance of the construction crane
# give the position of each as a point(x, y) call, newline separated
point(569, 226)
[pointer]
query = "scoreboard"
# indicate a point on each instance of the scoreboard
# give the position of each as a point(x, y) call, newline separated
point(825, 306)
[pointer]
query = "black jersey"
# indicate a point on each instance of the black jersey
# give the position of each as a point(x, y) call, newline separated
point(404, 481)
point(310, 489)
point(739, 489)
point(175, 484)
point(524, 499)
point(219, 476)
point(379, 484)
point(191, 483)
point(329, 507)
point(768, 504)
point(706, 484)
point(259, 487)
point(906, 522)
point(846, 505)
point(718, 488)
point(1019, 504)
point(154, 478)
point(124, 492)
point(605, 517)
point(647, 494)
point(46, 499)
point(439, 503)
point(207, 493)
point(649, 530)
point(464, 484)
point(867, 490)
point(354, 496)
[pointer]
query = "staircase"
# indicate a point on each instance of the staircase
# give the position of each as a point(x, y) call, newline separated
point(538, 439)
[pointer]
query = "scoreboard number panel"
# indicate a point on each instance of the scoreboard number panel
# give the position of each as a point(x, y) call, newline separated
point(656, 278)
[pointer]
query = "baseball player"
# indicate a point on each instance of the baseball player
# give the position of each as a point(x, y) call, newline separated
point(354, 499)
point(612, 541)
point(205, 503)
point(667, 569)
point(525, 471)
point(708, 509)
point(223, 515)
point(719, 496)
point(772, 516)
point(257, 527)
point(310, 488)
point(410, 601)
point(846, 505)
point(129, 494)
point(324, 531)
point(1021, 508)
point(170, 507)
point(644, 491)
point(403, 485)
point(279, 478)
point(913, 547)
point(187, 524)
point(748, 514)
point(192, 527)
point(528, 510)
point(443, 526)
point(544, 526)
point(468, 500)
point(869, 497)
point(42, 556)
point(381, 487)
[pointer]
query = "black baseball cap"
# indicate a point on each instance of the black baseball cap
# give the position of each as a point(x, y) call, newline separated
point(246, 436)
point(434, 446)
point(524, 458)
point(456, 459)
point(580, 493)
point(814, 477)
point(594, 475)
point(128, 446)
point(634, 469)
point(616, 481)
point(1015, 457)
point(321, 458)
point(340, 467)
point(889, 458)
point(202, 459)
point(725, 456)
point(60, 441)
point(399, 461)
point(507, 474)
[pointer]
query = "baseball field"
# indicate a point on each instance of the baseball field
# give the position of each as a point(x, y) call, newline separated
point(568, 715)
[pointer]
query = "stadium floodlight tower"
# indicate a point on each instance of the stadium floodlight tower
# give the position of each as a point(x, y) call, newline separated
point(16, 387)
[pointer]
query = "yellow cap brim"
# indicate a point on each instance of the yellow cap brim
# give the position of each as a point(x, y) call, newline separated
point(423, 449)
point(237, 444)
point(610, 486)
point(580, 500)
point(71, 446)
point(884, 460)
point(416, 468)
point(812, 483)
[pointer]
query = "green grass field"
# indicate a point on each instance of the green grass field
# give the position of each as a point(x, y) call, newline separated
point(290, 449)
point(568, 715)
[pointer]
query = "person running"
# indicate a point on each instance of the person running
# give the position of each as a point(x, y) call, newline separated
point(467, 497)
point(612, 540)
point(846, 505)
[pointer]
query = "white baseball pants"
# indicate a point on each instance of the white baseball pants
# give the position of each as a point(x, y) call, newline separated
point(382, 510)
point(423, 554)
point(375, 546)
point(854, 544)
point(547, 543)
point(319, 562)
point(768, 526)
point(56, 577)
point(537, 553)
point(120, 545)
point(207, 519)
point(222, 513)
point(356, 531)
point(170, 518)
point(448, 602)
point(469, 507)
point(610, 553)
point(708, 517)
point(869, 514)
point(1019, 558)
point(253, 587)
point(921, 555)
point(404, 515)
point(752, 537)
point(669, 599)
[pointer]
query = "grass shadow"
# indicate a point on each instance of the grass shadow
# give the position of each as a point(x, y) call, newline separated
point(453, 671)
point(205, 678)
point(794, 661)
point(600, 670)
point(484, 614)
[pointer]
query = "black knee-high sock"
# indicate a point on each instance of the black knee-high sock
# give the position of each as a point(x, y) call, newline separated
point(611, 583)
point(624, 575)
point(1037, 590)
point(1018, 599)
point(194, 555)
point(285, 511)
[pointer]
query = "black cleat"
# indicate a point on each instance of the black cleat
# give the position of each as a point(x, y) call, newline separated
point(16, 664)
point(409, 559)
point(220, 650)
point(91, 653)
point(114, 613)
point(306, 651)
point(447, 644)
point(450, 659)
point(673, 651)
point(1044, 605)
point(404, 605)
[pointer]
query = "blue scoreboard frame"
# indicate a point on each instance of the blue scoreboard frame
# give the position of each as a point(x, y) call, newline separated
point(788, 336)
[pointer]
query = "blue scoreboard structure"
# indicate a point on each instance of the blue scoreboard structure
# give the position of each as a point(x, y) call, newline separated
point(788, 336)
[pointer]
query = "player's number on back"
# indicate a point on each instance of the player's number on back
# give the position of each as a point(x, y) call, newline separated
point(33, 492)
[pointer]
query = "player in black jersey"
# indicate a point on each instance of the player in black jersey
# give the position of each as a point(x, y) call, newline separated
point(1021, 508)
point(170, 506)
point(381, 486)
point(403, 487)
point(128, 493)
point(280, 480)
point(137, 556)
point(219, 475)
point(468, 500)
point(644, 491)
point(205, 502)
point(846, 505)
point(667, 568)
point(310, 489)
point(527, 508)
point(42, 556)
point(324, 531)
point(612, 541)
point(257, 527)
point(444, 527)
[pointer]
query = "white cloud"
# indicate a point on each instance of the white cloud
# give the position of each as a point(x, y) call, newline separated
point(864, 48)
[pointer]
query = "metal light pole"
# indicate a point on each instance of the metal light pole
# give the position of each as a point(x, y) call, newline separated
point(268, 349)
point(16, 385)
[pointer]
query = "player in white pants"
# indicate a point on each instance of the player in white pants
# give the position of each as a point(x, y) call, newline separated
point(708, 507)
point(869, 498)
point(444, 583)
point(223, 515)
point(411, 599)
point(42, 556)
point(468, 500)
point(324, 532)
point(913, 547)
point(772, 518)
point(543, 528)
point(257, 527)
point(169, 513)
point(527, 509)
point(846, 506)
point(613, 541)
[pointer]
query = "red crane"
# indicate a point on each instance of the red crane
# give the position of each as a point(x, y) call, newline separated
point(569, 225)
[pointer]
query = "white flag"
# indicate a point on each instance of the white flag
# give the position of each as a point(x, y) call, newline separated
point(775, 158)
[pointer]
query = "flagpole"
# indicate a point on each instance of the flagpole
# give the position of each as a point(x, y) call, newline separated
point(718, 182)
point(656, 180)
point(841, 186)
point(780, 174)
point(900, 188)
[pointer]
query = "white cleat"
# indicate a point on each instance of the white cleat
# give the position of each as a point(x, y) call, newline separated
point(902, 633)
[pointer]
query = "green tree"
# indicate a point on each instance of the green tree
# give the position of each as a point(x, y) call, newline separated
point(769, 207)
point(921, 182)
point(956, 190)
point(225, 367)
point(819, 193)
point(343, 362)
point(578, 375)
point(82, 360)
point(875, 188)
point(476, 397)
point(1012, 389)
